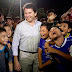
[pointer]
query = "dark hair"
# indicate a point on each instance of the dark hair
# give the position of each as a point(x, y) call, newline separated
point(48, 26)
point(68, 23)
point(50, 10)
point(57, 27)
point(30, 5)
point(43, 19)
point(2, 29)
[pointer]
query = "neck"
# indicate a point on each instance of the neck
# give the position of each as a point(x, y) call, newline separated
point(1, 46)
point(32, 22)
point(59, 40)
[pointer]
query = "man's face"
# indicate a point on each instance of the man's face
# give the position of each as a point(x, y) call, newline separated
point(3, 38)
point(54, 33)
point(64, 28)
point(29, 14)
point(44, 32)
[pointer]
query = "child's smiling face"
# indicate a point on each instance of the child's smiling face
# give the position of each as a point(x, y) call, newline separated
point(44, 32)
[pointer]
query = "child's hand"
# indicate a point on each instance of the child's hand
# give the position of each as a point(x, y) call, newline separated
point(52, 17)
point(40, 67)
point(51, 50)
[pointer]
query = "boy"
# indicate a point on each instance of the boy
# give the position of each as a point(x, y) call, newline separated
point(61, 49)
point(66, 26)
point(5, 55)
point(51, 15)
point(45, 59)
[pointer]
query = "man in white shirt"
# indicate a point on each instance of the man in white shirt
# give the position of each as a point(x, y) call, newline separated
point(27, 37)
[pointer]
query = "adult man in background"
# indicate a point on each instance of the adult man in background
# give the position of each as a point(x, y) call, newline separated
point(27, 37)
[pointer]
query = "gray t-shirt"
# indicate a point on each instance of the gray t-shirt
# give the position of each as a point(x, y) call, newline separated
point(4, 56)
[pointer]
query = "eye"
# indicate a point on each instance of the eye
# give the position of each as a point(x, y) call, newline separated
point(64, 26)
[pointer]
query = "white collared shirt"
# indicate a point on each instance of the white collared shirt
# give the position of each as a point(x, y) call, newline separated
point(27, 37)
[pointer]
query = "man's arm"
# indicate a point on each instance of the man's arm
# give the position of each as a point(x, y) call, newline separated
point(15, 44)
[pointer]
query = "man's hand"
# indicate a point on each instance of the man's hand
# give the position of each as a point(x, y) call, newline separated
point(16, 64)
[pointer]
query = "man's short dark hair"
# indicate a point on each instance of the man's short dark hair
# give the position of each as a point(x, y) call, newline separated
point(2, 29)
point(30, 5)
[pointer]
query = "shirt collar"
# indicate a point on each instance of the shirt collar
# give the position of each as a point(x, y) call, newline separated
point(64, 42)
point(28, 22)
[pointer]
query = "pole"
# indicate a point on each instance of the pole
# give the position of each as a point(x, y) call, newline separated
point(20, 11)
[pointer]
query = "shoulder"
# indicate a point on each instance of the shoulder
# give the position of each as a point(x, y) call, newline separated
point(69, 38)
point(21, 24)
point(38, 23)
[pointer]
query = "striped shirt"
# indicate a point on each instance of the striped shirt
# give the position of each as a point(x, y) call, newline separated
point(27, 37)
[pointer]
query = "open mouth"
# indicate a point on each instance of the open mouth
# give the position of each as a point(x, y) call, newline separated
point(54, 33)
point(42, 35)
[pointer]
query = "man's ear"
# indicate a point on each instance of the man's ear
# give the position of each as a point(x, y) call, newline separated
point(36, 13)
point(69, 29)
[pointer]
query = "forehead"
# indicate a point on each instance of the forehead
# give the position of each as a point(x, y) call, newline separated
point(7, 27)
point(28, 9)
point(53, 28)
point(43, 28)
point(64, 24)
point(9, 20)
point(2, 33)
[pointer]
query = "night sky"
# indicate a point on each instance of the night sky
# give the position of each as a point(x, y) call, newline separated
point(60, 6)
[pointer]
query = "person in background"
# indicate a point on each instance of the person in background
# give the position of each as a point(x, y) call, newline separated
point(9, 22)
point(43, 20)
point(2, 22)
point(27, 37)
point(66, 27)
point(10, 34)
point(51, 16)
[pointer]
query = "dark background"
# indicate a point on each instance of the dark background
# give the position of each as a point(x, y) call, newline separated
point(60, 6)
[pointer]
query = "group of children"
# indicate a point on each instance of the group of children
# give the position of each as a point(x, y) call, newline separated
point(54, 51)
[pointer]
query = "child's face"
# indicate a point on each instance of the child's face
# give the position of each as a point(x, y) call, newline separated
point(9, 21)
point(51, 16)
point(54, 33)
point(44, 32)
point(8, 30)
point(64, 27)
point(3, 38)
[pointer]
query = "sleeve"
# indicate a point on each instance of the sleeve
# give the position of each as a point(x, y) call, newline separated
point(70, 50)
point(15, 42)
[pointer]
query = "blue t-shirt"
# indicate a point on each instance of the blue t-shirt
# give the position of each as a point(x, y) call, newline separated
point(44, 56)
point(64, 64)
point(4, 56)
